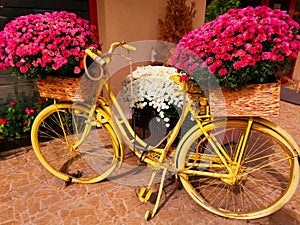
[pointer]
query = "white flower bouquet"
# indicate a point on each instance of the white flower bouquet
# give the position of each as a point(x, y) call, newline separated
point(151, 87)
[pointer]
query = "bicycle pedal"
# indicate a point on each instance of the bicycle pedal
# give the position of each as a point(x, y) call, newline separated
point(145, 194)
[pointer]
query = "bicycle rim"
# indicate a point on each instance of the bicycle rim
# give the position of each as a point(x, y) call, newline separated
point(267, 179)
point(58, 128)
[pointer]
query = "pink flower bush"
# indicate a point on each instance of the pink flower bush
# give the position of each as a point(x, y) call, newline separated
point(242, 46)
point(40, 44)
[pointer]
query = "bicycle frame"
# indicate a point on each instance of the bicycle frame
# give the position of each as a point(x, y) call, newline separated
point(123, 128)
point(220, 161)
point(125, 131)
point(127, 134)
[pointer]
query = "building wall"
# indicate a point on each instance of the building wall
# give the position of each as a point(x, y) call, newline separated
point(296, 73)
point(135, 20)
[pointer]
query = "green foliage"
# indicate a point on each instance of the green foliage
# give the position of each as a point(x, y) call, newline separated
point(17, 120)
point(219, 7)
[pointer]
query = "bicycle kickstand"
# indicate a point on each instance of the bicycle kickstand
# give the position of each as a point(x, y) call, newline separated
point(145, 194)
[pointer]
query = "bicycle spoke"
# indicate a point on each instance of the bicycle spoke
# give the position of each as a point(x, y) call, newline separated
point(63, 126)
point(262, 166)
point(264, 170)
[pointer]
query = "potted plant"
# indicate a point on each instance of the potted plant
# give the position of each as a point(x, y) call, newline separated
point(49, 44)
point(241, 47)
point(151, 92)
point(16, 121)
point(37, 45)
point(219, 7)
point(178, 20)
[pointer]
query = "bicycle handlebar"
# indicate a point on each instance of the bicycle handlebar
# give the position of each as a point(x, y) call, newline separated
point(96, 54)
point(114, 45)
point(129, 47)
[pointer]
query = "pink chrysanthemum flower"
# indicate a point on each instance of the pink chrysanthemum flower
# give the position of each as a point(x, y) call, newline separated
point(52, 43)
point(253, 45)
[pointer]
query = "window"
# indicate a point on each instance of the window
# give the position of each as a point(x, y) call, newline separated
point(10, 9)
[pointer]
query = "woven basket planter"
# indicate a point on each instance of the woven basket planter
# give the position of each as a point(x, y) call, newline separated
point(65, 88)
point(261, 100)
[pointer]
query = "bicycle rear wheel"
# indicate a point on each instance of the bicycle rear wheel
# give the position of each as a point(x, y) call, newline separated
point(267, 179)
point(55, 132)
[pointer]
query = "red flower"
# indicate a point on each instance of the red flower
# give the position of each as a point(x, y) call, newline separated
point(184, 78)
point(3, 121)
point(238, 42)
point(223, 72)
point(266, 55)
point(41, 101)
point(256, 57)
point(209, 60)
point(226, 57)
point(29, 111)
point(248, 46)
point(212, 68)
point(237, 65)
point(274, 57)
point(218, 63)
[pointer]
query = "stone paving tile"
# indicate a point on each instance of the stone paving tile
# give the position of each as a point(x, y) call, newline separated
point(30, 195)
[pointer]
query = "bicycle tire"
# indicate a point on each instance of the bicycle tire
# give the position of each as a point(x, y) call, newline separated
point(55, 131)
point(267, 180)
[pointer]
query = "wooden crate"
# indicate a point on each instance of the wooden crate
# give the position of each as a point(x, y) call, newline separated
point(66, 89)
point(256, 100)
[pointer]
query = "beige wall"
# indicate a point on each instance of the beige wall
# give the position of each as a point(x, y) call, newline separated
point(134, 20)
point(296, 74)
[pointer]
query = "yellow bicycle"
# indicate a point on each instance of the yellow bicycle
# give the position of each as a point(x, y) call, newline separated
point(243, 167)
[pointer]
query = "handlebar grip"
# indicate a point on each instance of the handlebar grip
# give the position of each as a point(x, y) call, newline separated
point(95, 57)
point(129, 47)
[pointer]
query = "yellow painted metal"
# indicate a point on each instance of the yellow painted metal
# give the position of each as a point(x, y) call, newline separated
point(230, 179)
point(241, 149)
point(121, 130)
point(145, 194)
point(59, 108)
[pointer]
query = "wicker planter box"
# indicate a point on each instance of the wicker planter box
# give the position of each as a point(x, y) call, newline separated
point(66, 88)
point(255, 100)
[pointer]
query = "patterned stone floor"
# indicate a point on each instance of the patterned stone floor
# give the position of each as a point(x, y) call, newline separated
point(30, 195)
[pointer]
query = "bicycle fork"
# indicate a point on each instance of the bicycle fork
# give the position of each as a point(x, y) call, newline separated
point(235, 165)
point(232, 165)
point(241, 147)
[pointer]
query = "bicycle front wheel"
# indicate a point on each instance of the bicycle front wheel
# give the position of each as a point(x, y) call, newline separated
point(70, 146)
point(266, 179)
